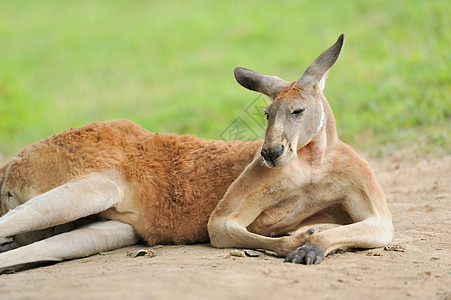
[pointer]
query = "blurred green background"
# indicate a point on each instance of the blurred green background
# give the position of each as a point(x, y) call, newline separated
point(168, 65)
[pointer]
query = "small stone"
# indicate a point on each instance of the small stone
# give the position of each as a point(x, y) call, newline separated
point(236, 253)
point(136, 253)
point(252, 253)
point(397, 247)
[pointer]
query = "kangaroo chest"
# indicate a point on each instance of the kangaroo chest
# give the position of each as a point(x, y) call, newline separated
point(307, 199)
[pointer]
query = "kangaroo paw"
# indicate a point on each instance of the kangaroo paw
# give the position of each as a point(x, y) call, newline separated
point(307, 254)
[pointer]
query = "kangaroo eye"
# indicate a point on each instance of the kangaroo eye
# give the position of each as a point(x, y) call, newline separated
point(10, 195)
point(298, 111)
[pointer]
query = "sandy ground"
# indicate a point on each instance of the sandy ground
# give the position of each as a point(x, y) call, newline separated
point(418, 191)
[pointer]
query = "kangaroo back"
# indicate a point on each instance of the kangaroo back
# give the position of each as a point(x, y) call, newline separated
point(3, 170)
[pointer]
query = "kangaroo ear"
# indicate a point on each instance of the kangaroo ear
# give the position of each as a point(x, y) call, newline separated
point(317, 72)
point(265, 84)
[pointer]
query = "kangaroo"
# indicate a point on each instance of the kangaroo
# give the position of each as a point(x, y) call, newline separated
point(108, 185)
point(304, 176)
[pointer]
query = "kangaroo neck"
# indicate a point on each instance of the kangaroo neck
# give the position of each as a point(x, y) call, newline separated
point(321, 147)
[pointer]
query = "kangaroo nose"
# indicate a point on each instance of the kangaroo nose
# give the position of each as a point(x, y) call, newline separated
point(272, 154)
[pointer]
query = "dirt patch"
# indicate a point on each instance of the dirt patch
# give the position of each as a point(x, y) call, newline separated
point(417, 265)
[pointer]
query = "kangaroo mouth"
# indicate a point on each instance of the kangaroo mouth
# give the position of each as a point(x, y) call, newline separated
point(270, 163)
point(279, 161)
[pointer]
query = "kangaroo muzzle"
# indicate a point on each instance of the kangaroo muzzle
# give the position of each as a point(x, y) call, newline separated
point(272, 153)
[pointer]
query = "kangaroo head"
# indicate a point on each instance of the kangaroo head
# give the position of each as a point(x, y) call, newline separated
point(297, 113)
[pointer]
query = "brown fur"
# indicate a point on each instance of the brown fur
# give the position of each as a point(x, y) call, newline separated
point(164, 188)
point(306, 176)
point(177, 180)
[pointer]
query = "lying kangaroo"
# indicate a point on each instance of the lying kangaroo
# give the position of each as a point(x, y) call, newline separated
point(304, 176)
point(107, 185)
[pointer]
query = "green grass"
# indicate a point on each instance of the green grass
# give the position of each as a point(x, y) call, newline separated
point(168, 65)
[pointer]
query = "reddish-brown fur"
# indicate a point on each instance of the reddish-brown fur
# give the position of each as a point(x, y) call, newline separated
point(175, 196)
point(166, 187)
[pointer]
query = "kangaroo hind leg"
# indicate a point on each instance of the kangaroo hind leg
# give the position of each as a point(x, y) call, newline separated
point(76, 199)
point(88, 240)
